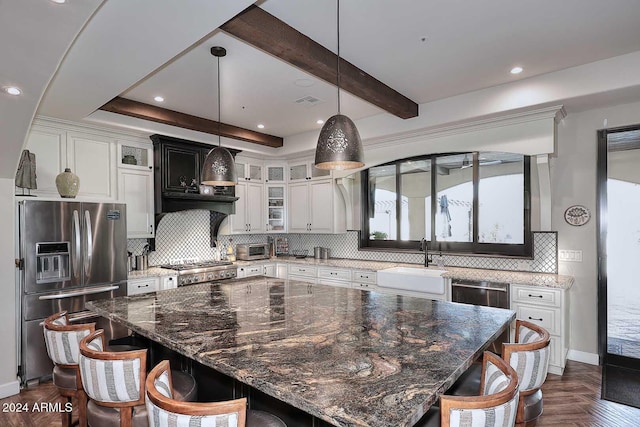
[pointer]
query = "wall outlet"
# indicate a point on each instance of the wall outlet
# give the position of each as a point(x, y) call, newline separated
point(570, 255)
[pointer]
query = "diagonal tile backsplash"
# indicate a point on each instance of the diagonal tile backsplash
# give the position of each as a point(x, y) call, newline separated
point(186, 235)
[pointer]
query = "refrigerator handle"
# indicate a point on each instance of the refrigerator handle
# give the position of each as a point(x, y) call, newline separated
point(89, 238)
point(75, 247)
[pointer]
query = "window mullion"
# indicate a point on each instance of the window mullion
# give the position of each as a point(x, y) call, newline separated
point(476, 190)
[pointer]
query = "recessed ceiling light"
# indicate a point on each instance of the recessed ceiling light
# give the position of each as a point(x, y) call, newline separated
point(261, 126)
point(516, 70)
point(158, 99)
point(303, 82)
point(320, 121)
point(59, 1)
point(12, 90)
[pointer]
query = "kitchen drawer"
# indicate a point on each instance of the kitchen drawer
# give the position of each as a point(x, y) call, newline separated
point(365, 286)
point(252, 270)
point(307, 279)
point(142, 286)
point(168, 282)
point(333, 282)
point(538, 296)
point(334, 274)
point(302, 270)
point(548, 318)
point(363, 276)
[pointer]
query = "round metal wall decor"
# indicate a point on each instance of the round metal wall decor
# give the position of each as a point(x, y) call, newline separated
point(577, 215)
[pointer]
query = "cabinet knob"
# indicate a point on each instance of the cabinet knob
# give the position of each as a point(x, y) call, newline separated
point(150, 167)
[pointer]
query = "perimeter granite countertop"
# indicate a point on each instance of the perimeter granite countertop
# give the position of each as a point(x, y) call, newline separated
point(150, 272)
point(502, 276)
point(346, 356)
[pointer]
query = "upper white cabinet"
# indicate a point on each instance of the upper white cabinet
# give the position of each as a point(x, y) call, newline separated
point(314, 208)
point(90, 153)
point(135, 187)
point(276, 208)
point(275, 173)
point(249, 170)
point(250, 212)
point(306, 171)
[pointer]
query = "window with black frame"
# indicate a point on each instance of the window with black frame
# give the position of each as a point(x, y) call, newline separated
point(461, 203)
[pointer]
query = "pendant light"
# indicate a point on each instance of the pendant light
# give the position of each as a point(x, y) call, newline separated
point(219, 168)
point(339, 145)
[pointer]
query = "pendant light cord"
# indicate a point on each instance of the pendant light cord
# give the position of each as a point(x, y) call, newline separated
point(219, 137)
point(338, 37)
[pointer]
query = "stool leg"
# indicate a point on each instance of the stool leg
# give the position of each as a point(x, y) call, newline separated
point(82, 408)
point(126, 415)
point(67, 416)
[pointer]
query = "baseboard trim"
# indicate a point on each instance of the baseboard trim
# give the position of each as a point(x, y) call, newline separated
point(9, 389)
point(584, 357)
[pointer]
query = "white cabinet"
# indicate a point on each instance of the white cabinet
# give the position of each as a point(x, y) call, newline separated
point(281, 270)
point(276, 208)
point(91, 156)
point(135, 187)
point(275, 173)
point(548, 308)
point(249, 170)
point(269, 270)
point(311, 208)
point(364, 279)
point(249, 216)
point(142, 286)
point(250, 270)
point(305, 170)
point(168, 282)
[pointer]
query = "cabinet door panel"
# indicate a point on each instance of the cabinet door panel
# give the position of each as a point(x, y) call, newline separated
point(298, 208)
point(182, 168)
point(255, 212)
point(238, 220)
point(136, 190)
point(321, 210)
point(49, 146)
point(93, 160)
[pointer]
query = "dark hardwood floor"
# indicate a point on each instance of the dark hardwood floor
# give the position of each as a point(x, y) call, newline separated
point(569, 400)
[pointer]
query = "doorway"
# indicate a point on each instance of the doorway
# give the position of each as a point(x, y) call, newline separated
point(619, 266)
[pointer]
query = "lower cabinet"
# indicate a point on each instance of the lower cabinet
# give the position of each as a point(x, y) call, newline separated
point(250, 271)
point(142, 286)
point(168, 282)
point(548, 308)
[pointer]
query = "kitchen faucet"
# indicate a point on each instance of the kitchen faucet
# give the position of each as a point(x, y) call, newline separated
point(424, 247)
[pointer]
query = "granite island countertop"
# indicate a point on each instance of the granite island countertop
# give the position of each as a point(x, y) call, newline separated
point(346, 356)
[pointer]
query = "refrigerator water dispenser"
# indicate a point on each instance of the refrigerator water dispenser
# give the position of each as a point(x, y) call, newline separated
point(52, 262)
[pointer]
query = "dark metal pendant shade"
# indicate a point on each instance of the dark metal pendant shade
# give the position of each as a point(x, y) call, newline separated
point(219, 168)
point(339, 145)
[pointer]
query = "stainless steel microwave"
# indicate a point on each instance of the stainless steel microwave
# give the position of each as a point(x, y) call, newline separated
point(252, 251)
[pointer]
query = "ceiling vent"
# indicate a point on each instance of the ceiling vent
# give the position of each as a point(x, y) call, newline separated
point(308, 101)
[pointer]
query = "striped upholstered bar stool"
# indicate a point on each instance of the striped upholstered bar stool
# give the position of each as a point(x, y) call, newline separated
point(529, 356)
point(114, 382)
point(63, 346)
point(164, 411)
point(496, 406)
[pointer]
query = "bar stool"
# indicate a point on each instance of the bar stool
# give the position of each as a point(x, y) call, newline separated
point(529, 356)
point(496, 405)
point(163, 410)
point(62, 341)
point(114, 382)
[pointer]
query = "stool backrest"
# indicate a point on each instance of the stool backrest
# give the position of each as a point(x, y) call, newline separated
point(163, 410)
point(113, 379)
point(498, 401)
point(529, 356)
point(63, 339)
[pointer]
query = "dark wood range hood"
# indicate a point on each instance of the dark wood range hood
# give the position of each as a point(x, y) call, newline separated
point(178, 165)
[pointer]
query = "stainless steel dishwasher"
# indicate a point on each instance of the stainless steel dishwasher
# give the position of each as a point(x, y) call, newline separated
point(489, 294)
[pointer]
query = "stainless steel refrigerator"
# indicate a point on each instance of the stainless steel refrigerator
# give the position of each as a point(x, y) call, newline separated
point(69, 253)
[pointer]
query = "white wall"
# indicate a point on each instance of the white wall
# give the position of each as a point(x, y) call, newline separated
point(573, 181)
point(8, 359)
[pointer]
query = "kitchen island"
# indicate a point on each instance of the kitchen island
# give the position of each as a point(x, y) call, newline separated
point(346, 356)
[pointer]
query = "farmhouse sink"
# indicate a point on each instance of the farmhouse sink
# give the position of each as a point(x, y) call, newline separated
point(415, 279)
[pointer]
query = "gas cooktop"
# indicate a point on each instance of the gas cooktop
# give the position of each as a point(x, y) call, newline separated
point(202, 271)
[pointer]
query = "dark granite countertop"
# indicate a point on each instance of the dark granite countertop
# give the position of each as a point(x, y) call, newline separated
point(349, 357)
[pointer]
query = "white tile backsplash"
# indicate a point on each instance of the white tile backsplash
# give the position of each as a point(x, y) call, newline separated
point(186, 235)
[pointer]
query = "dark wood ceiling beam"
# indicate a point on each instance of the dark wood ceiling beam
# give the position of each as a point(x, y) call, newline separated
point(266, 32)
point(156, 114)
